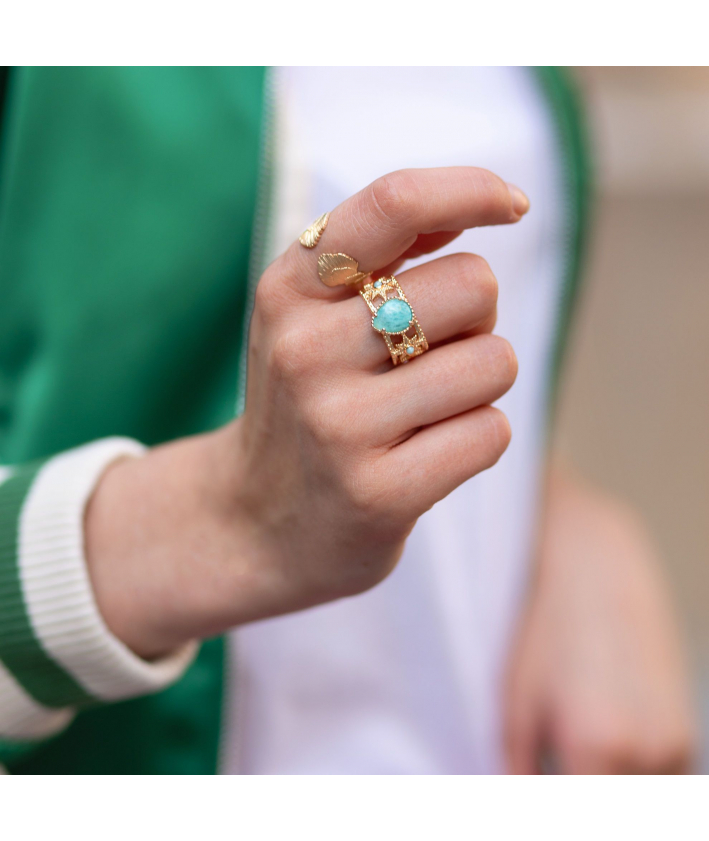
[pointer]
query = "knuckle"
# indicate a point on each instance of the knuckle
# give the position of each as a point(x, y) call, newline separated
point(685, 747)
point(658, 761)
point(361, 494)
point(367, 497)
point(614, 743)
point(393, 196)
point(605, 745)
point(337, 417)
point(499, 433)
point(294, 352)
point(682, 758)
point(613, 751)
point(669, 752)
point(485, 282)
point(518, 720)
point(268, 299)
point(475, 285)
point(506, 360)
point(329, 426)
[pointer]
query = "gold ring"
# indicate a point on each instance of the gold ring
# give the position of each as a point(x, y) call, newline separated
point(339, 269)
point(310, 236)
point(333, 269)
point(394, 316)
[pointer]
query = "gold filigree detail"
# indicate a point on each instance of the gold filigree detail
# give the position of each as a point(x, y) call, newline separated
point(310, 236)
point(410, 346)
point(385, 285)
point(338, 269)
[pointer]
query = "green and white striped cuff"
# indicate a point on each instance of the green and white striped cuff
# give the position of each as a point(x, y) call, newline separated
point(56, 652)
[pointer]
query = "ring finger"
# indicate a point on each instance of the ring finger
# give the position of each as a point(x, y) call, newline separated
point(450, 296)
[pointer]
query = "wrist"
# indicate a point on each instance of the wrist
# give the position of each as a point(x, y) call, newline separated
point(166, 545)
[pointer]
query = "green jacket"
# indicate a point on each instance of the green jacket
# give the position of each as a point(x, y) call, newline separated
point(127, 208)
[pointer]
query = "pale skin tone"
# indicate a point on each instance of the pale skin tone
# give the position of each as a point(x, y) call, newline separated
point(310, 495)
point(597, 681)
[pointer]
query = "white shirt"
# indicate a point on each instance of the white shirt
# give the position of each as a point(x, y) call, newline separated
point(406, 678)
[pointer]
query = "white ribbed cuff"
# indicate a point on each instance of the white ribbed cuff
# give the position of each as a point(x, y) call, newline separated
point(23, 718)
point(56, 585)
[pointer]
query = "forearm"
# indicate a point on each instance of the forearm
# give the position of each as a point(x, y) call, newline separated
point(291, 505)
point(588, 532)
point(169, 552)
point(309, 496)
point(56, 653)
point(598, 677)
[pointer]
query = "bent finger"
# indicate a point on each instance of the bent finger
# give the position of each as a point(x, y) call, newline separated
point(382, 222)
point(446, 382)
point(428, 466)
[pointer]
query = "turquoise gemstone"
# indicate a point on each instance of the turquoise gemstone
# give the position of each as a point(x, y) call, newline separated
point(394, 316)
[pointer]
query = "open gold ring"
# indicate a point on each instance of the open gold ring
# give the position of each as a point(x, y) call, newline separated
point(333, 269)
point(392, 316)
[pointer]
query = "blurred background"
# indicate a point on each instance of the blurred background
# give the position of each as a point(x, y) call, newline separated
point(634, 413)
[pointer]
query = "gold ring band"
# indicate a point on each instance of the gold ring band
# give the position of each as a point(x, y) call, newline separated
point(333, 269)
point(394, 316)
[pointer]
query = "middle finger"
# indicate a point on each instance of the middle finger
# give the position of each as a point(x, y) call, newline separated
point(450, 296)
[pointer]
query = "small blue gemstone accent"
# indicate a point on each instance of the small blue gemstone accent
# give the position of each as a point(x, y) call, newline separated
point(410, 350)
point(377, 284)
point(394, 316)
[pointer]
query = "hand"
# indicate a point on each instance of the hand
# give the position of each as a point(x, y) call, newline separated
point(310, 495)
point(597, 682)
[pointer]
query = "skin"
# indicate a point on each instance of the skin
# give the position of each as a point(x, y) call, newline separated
point(310, 495)
point(597, 682)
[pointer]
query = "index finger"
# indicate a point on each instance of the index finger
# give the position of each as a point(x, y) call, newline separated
point(378, 224)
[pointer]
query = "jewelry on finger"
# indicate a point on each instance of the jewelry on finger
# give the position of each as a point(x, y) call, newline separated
point(310, 236)
point(394, 316)
point(339, 269)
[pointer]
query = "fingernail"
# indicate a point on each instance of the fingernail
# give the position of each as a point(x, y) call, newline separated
point(520, 202)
